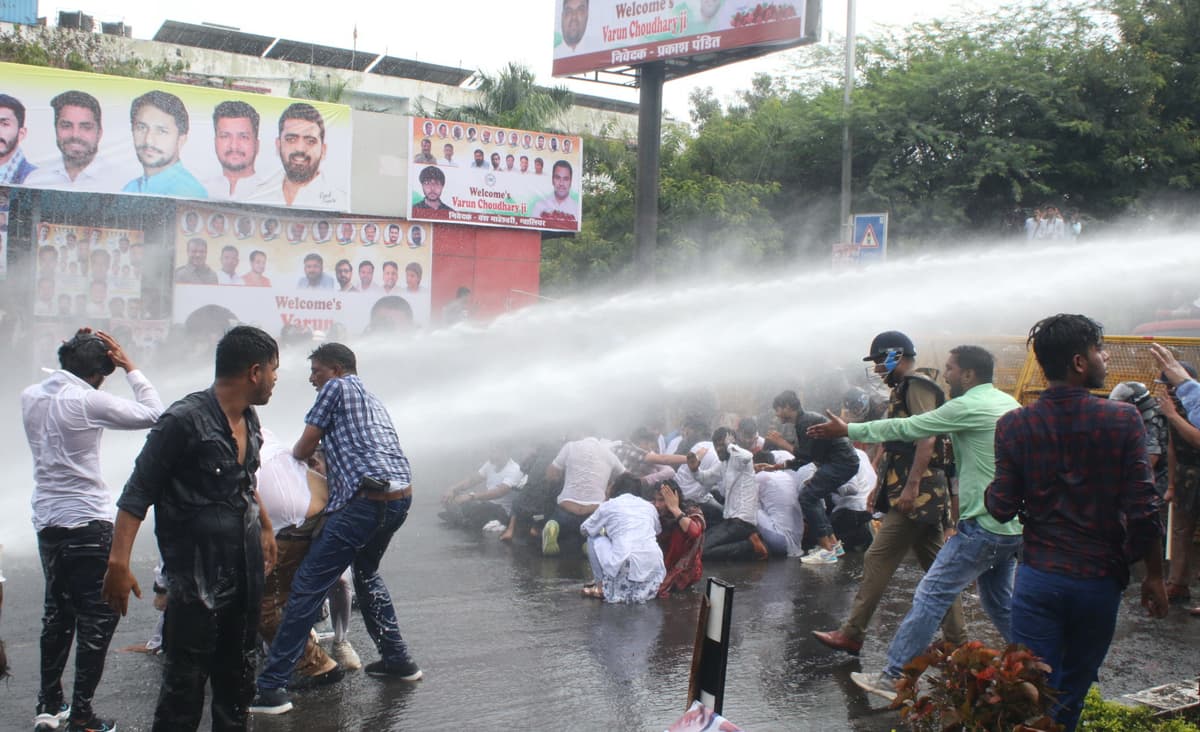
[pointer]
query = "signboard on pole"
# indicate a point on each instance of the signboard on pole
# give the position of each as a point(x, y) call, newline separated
point(494, 176)
point(870, 237)
point(590, 36)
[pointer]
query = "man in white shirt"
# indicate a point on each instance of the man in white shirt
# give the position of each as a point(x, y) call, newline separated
point(560, 205)
point(780, 519)
point(471, 508)
point(77, 132)
point(65, 416)
point(229, 264)
point(735, 476)
point(294, 495)
point(851, 517)
point(586, 467)
point(301, 147)
point(235, 140)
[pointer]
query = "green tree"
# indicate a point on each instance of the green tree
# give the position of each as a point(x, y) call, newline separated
point(510, 98)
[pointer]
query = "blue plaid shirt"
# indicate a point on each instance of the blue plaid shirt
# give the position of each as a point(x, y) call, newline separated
point(359, 439)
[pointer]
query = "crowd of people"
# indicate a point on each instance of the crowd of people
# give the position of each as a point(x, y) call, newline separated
point(1055, 500)
point(1045, 507)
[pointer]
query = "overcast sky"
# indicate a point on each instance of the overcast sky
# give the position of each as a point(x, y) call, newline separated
point(482, 34)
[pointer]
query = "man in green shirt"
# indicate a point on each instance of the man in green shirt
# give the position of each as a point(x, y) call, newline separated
point(983, 549)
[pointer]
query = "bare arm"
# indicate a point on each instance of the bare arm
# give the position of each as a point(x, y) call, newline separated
point(118, 580)
point(307, 444)
point(269, 550)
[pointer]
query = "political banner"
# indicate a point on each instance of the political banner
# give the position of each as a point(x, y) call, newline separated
point(92, 276)
point(88, 274)
point(494, 176)
point(4, 206)
point(108, 134)
point(341, 276)
point(589, 36)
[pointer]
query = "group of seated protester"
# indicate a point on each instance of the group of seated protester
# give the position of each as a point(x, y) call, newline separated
point(648, 510)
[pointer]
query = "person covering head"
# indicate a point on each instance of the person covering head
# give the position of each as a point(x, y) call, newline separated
point(64, 417)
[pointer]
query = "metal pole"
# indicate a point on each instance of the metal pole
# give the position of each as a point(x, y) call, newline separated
point(645, 212)
point(844, 211)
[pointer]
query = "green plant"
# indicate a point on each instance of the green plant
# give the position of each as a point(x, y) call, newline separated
point(977, 688)
point(1102, 716)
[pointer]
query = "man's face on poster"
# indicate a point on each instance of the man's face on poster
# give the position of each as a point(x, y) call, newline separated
point(346, 232)
point(574, 21)
point(343, 272)
point(432, 188)
point(562, 182)
point(11, 132)
point(77, 134)
point(366, 273)
point(391, 275)
point(258, 263)
point(301, 150)
point(313, 269)
point(156, 138)
point(393, 235)
point(416, 235)
point(229, 260)
point(197, 253)
point(322, 229)
point(236, 144)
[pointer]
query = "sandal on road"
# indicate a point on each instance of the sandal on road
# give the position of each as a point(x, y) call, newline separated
point(593, 591)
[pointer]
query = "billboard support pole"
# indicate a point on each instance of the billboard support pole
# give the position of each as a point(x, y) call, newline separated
point(847, 91)
point(645, 223)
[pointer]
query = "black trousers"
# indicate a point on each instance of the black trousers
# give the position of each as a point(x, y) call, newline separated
point(73, 563)
point(204, 645)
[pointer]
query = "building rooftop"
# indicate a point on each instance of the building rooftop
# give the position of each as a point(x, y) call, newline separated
point(232, 40)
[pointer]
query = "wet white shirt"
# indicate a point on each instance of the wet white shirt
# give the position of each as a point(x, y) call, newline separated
point(853, 495)
point(688, 485)
point(631, 524)
point(735, 477)
point(778, 506)
point(282, 484)
point(64, 421)
point(509, 474)
point(587, 467)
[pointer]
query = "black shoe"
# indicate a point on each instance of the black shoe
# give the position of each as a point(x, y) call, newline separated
point(271, 701)
point(50, 716)
point(407, 671)
point(95, 724)
point(332, 676)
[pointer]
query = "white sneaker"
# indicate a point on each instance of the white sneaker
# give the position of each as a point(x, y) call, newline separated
point(48, 719)
point(820, 556)
point(879, 684)
point(344, 654)
point(494, 526)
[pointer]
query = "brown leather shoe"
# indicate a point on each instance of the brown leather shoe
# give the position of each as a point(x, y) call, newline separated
point(838, 641)
point(760, 549)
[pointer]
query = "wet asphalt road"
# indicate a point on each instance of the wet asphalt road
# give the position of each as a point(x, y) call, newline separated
point(506, 643)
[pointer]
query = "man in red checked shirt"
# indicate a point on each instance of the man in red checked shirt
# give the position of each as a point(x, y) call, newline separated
point(1074, 467)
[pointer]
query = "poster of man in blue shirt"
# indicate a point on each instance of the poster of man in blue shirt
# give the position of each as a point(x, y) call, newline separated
point(160, 129)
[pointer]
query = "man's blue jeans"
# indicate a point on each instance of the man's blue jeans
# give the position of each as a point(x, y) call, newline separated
point(1069, 623)
point(357, 536)
point(974, 553)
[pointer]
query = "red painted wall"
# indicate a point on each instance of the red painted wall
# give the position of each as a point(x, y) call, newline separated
point(492, 262)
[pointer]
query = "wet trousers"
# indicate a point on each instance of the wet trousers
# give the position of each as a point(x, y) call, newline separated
point(74, 562)
point(292, 549)
point(356, 535)
point(729, 540)
point(207, 646)
point(896, 536)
